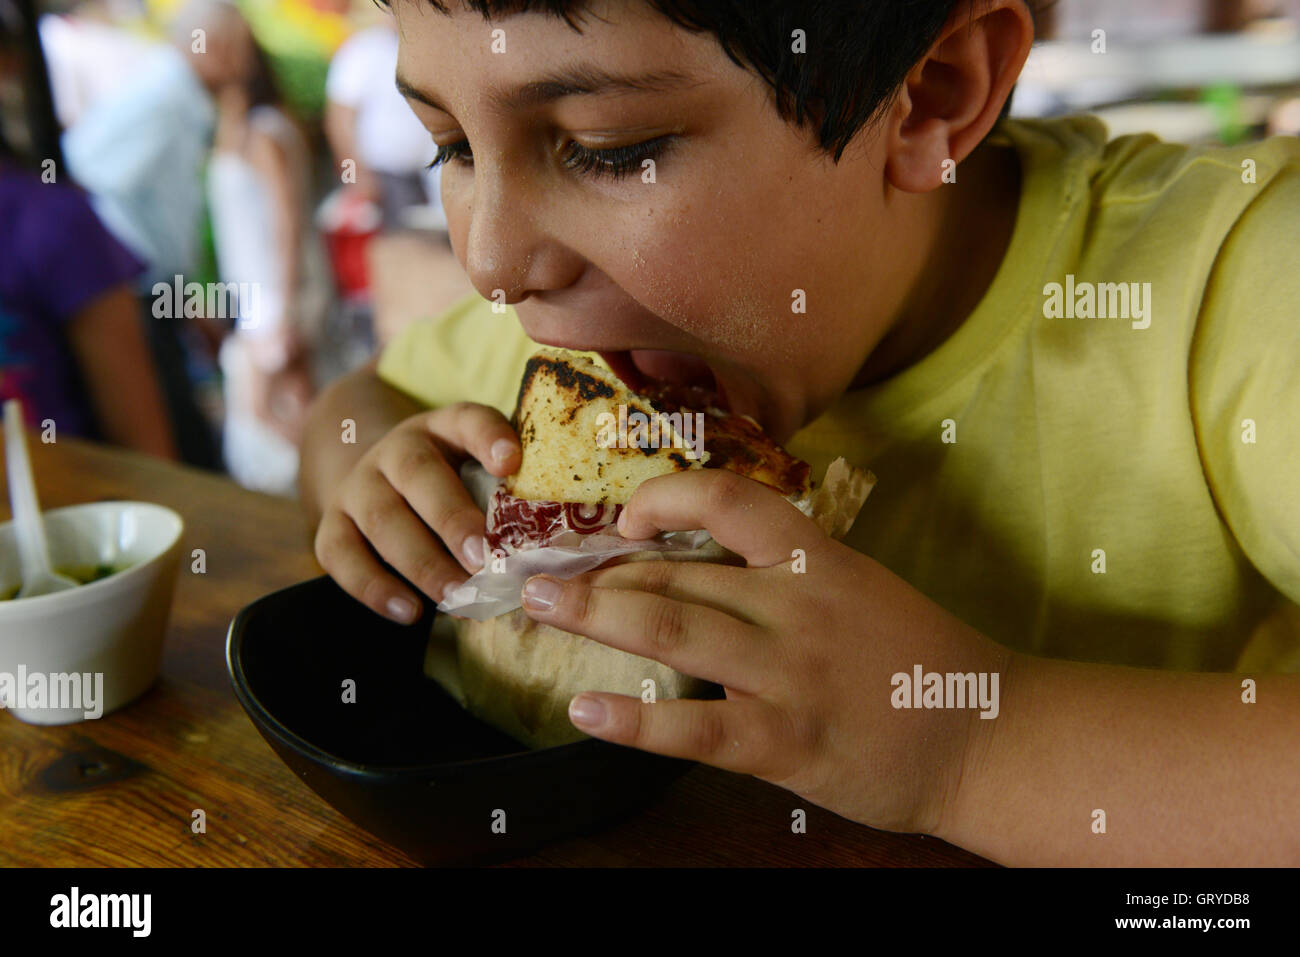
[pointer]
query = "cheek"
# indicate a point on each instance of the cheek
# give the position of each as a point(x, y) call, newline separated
point(722, 271)
point(458, 206)
point(728, 258)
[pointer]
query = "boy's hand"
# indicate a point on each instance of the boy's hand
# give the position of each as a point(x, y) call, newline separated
point(806, 657)
point(404, 502)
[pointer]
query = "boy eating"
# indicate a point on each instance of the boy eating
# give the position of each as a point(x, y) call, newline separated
point(1071, 363)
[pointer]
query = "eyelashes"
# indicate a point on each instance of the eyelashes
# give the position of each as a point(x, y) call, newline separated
point(458, 152)
point(616, 162)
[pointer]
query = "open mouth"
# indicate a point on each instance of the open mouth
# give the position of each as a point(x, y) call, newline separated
point(679, 376)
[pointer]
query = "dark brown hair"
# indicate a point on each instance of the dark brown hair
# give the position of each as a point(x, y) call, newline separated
point(858, 52)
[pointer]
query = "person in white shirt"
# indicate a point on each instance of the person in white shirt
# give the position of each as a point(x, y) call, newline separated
point(140, 154)
point(259, 197)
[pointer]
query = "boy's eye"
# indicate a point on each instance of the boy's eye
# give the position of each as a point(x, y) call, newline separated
point(458, 151)
point(616, 161)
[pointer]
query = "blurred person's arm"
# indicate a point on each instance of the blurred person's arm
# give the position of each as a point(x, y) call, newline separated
point(108, 342)
point(372, 405)
point(274, 376)
point(285, 384)
point(340, 130)
point(281, 347)
point(271, 162)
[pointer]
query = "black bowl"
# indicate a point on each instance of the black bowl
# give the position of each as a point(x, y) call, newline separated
point(406, 762)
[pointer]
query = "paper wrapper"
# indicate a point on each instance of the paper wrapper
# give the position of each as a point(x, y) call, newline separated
point(565, 552)
point(520, 675)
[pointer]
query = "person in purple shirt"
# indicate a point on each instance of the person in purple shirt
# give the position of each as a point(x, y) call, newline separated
point(72, 348)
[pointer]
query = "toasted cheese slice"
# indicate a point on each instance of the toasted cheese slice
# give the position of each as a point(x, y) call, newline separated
point(738, 444)
point(577, 426)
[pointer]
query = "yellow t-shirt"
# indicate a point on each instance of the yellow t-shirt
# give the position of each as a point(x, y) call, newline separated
point(1122, 489)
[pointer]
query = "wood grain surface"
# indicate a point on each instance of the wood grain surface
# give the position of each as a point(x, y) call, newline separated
point(120, 791)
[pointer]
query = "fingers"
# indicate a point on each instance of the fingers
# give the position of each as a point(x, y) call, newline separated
point(477, 430)
point(417, 472)
point(693, 639)
point(742, 515)
point(404, 503)
point(421, 473)
point(403, 540)
point(745, 735)
point(343, 553)
point(726, 588)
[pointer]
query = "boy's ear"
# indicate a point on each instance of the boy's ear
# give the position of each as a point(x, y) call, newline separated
point(955, 93)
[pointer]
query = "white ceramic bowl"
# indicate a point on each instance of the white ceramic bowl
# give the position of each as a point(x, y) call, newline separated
point(113, 627)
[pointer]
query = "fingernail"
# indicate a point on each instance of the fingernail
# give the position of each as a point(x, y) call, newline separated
point(587, 711)
point(501, 450)
point(401, 610)
point(472, 549)
point(541, 594)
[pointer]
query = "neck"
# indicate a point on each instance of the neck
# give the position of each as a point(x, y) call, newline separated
point(966, 236)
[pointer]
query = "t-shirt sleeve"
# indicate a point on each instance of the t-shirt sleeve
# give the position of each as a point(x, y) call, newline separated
point(71, 257)
point(467, 354)
point(1244, 374)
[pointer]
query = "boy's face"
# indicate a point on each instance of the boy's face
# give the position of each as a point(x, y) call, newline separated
point(743, 222)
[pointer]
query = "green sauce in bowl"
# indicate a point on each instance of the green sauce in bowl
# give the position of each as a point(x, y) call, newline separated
point(82, 574)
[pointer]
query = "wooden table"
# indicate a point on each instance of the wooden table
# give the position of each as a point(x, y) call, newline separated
point(120, 791)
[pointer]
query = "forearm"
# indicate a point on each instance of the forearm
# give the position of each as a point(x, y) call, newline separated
point(339, 122)
point(148, 428)
point(271, 161)
point(290, 241)
point(1185, 772)
point(288, 230)
point(118, 370)
point(342, 424)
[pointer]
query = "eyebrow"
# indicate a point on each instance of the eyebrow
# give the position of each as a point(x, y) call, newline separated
point(574, 81)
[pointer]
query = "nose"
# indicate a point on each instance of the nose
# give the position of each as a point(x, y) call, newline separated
point(511, 248)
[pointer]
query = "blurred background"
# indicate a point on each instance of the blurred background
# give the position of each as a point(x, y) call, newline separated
point(209, 210)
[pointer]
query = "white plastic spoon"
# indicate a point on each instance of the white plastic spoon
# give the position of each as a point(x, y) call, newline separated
point(38, 577)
